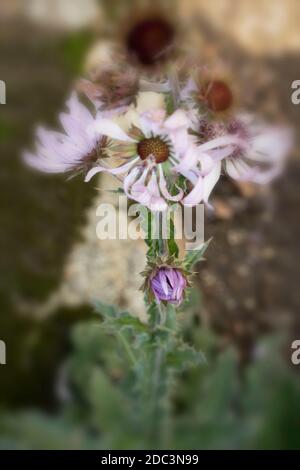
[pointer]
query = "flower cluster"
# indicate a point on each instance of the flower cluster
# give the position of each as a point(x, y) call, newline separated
point(164, 146)
point(165, 141)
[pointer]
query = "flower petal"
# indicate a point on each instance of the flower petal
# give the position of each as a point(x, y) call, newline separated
point(238, 169)
point(220, 142)
point(196, 195)
point(210, 180)
point(163, 281)
point(189, 160)
point(113, 171)
point(177, 120)
point(110, 129)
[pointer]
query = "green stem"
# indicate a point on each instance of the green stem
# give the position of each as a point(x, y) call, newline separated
point(162, 327)
point(127, 349)
point(162, 316)
point(158, 379)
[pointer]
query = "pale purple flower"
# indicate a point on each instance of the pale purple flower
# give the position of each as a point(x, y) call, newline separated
point(261, 153)
point(151, 151)
point(168, 284)
point(248, 150)
point(74, 149)
point(201, 165)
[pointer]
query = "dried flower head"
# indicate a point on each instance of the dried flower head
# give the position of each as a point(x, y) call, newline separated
point(111, 86)
point(217, 95)
point(150, 39)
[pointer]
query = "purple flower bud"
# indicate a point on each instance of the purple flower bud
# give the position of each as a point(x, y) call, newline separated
point(168, 285)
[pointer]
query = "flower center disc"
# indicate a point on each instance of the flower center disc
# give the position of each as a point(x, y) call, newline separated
point(153, 146)
point(218, 95)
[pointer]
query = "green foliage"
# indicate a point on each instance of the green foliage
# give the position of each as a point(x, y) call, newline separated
point(120, 377)
point(32, 429)
point(185, 357)
point(164, 398)
point(150, 225)
point(194, 256)
point(172, 245)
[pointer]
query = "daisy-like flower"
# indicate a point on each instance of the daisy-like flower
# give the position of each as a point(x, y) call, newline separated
point(261, 153)
point(149, 150)
point(201, 164)
point(205, 145)
point(75, 149)
point(246, 149)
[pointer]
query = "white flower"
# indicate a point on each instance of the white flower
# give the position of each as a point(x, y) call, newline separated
point(154, 145)
point(77, 148)
point(260, 155)
point(201, 165)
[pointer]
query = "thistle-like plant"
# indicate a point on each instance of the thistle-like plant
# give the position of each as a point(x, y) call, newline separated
point(163, 146)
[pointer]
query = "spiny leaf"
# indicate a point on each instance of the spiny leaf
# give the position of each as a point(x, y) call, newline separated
point(184, 357)
point(105, 309)
point(193, 256)
point(127, 321)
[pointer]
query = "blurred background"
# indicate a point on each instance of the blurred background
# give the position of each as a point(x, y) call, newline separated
point(245, 313)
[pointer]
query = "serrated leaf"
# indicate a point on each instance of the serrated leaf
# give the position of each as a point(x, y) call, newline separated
point(105, 309)
point(193, 256)
point(127, 321)
point(184, 357)
point(192, 301)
